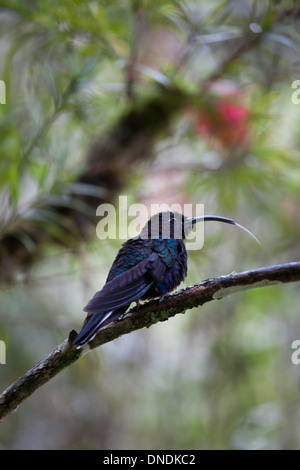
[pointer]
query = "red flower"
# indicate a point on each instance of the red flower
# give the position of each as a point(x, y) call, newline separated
point(225, 121)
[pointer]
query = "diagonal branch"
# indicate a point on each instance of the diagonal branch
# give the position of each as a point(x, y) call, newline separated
point(144, 316)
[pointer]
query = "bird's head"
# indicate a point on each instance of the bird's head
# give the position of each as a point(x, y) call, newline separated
point(165, 225)
point(175, 225)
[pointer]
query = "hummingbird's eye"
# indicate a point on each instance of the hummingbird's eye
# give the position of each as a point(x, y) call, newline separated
point(172, 218)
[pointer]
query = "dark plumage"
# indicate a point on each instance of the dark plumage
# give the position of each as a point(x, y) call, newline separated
point(147, 266)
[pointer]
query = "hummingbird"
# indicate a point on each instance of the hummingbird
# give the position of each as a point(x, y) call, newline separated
point(150, 265)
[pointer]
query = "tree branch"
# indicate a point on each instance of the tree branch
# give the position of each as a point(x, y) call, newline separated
point(144, 316)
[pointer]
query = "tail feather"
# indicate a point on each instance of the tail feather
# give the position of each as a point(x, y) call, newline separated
point(93, 324)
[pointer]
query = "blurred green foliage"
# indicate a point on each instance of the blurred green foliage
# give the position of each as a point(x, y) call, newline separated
point(220, 377)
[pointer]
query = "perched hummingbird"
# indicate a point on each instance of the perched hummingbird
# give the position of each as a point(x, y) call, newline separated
point(147, 266)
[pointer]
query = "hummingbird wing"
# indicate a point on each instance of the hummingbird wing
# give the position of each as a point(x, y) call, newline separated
point(128, 286)
point(115, 297)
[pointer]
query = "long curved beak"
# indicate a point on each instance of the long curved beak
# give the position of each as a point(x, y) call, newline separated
point(206, 218)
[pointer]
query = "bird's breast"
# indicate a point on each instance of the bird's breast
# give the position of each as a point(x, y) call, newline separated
point(173, 254)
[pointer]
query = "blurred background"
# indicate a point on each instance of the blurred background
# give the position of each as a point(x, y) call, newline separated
point(163, 102)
